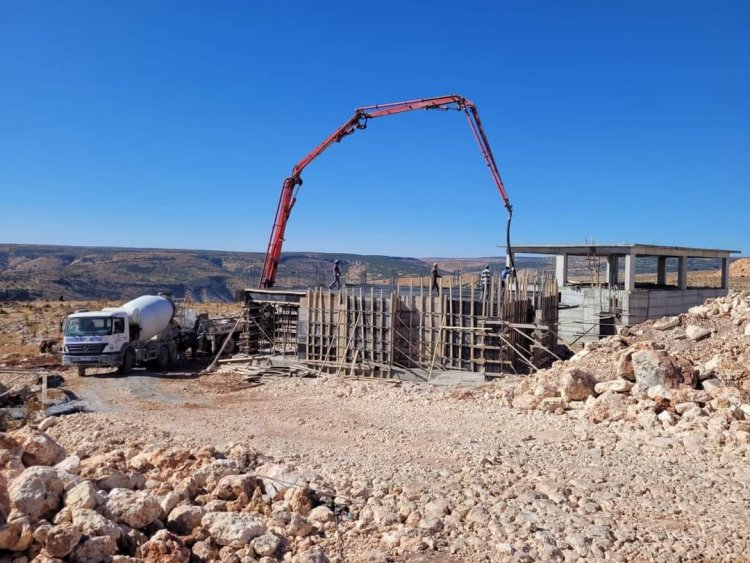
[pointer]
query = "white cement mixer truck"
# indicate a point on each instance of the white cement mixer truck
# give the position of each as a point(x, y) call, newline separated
point(140, 331)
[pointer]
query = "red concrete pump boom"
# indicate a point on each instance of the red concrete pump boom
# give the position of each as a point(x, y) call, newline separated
point(359, 121)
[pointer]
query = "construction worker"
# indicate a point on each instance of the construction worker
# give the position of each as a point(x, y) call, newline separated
point(485, 278)
point(336, 276)
point(504, 276)
point(434, 275)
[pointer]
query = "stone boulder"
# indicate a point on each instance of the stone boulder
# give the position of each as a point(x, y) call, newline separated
point(164, 547)
point(228, 527)
point(4, 500)
point(93, 524)
point(16, 535)
point(625, 369)
point(299, 526)
point(38, 448)
point(184, 519)
point(230, 487)
point(655, 367)
point(666, 323)
point(36, 492)
point(323, 514)
point(613, 386)
point(99, 549)
point(696, 333)
point(137, 509)
point(83, 495)
point(576, 385)
point(610, 406)
point(266, 545)
point(61, 540)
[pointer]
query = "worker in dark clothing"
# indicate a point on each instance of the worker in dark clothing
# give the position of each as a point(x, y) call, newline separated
point(504, 275)
point(434, 275)
point(484, 279)
point(336, 276)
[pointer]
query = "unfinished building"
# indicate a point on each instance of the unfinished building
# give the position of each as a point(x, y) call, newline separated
point(610, 285)
point(409, 331)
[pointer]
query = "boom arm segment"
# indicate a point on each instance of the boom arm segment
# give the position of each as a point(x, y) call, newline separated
point(288, 198)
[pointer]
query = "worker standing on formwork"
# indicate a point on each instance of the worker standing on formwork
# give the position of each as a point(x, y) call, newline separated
point(336, 276)
point(484, 279)
point(434, 275)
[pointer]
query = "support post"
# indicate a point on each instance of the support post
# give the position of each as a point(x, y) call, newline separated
point(682, 274)
point(661, 270)
point(725, 273)
point(630, 272)
point(612, 266)
point(561, 269)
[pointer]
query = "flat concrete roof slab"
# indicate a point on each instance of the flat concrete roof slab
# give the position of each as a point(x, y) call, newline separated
point(636, 249)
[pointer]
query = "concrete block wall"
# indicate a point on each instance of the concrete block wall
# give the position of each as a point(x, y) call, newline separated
point(637, 306)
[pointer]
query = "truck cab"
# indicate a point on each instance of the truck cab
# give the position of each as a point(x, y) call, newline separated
point(95, 338)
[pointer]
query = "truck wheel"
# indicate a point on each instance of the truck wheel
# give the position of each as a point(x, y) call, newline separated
point(81, 371)
point(162, 359)
point(229, 348)
point(128, 361)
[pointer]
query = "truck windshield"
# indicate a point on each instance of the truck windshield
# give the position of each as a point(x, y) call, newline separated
point(88, 326)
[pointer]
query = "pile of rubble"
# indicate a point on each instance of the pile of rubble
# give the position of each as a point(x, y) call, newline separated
point(676, 370)
point(158, 504)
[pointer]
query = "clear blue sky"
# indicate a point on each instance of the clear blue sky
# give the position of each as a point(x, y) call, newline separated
point(173, 124)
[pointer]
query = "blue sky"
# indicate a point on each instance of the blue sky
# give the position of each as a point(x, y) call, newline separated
point(173, 124)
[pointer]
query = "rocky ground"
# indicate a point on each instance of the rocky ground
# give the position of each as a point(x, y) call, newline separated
point(636, 449)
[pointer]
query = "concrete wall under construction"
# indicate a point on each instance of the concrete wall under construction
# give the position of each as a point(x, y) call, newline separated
point(373, 332)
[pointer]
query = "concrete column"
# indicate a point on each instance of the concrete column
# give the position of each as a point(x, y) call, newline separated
point(629, 272)
point(661, 270)
point(725, 273)
point(682, 272)
point(612, 263)
point(561, 269)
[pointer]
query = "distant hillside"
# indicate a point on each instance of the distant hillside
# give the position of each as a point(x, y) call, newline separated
point(46, 272)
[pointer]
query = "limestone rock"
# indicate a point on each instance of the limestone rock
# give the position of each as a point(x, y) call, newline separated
point(209, 475)
point(16, 535)
point(226, 527)
point(230, 487)
point(552, 404)
point(576, 385)
point(299, 526)
point(625, 369)
point(184, 519)
point(83, 495)
point(71, 464)
point(653, 367)
point(313, 555)
point(61, 540)
point(266, 545)
point(610, 406)
point(321, 514)
point(38, 448)
point(164, 547)
point(109, 478)
point(137, 509)
point(93, 524)
point(478, 515)
point(4, 500)
point(204, 551)
point(99, 549)
point(36, 492)
point(613, 386)
point(696, 333)
point(666, 323)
